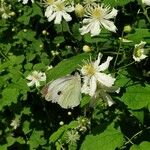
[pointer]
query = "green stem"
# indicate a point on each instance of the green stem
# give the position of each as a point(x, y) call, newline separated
point(3, 55)
point(135, 135)
point(145, 13)
point(126, 65)
point(120, 44)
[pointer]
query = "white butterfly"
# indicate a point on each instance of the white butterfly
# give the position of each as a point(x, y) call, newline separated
point(66, 91)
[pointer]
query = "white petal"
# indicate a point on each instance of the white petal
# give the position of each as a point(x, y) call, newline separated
point(93, 86)
point(31, 83)
point(37, 83)
point(105, 79)
point(106, 97)
point(86, 21)
point(147, 2)
point(48, 11)
point(66, 16)
point(85, 29)
point(95, 28)
point(43, 78)
point(52, 17)
point(29, 77)
point(109, 25)
point(97, 62)
point(25, 1)
point(136, 58)
point(105, 65)
point(112, 14)
point(141, 45)
point(58, 18)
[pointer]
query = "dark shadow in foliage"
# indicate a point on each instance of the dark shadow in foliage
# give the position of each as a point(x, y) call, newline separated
point(18, 146)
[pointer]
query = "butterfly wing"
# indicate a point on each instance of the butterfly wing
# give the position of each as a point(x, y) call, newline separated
point(65, 91)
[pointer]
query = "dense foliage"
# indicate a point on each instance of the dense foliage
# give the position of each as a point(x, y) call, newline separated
point(30, 41)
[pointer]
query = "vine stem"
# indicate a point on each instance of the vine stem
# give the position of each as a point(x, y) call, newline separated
point(120, 44)
point(145, 13)
point(126, 65)
point(135, 135)
point(3, 55)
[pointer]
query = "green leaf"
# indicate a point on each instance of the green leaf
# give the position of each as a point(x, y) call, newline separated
point(104, 36)
point(110, 139)
point(137, 96)
point(39, 66)
point(36, 139)
point(117, 2)
point(139, 35)
point(143, 146)
point(85, 100)
point(36, 10)
point(9, 96)
point(26, 127)
point(139, 114)
point(76, 33)
point(29, 35)
point(56, 135)
point(66, 66)
point(58, 39)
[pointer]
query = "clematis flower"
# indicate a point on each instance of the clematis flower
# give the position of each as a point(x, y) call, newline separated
point(56, 10)
point(96, 83)
point(72, 136)
point(96, 17)
point(35, 78)
point(15, 123)
point(93, 72)
point(146, 2)
point(5, 10)
point(25, 1)
point(139, 52)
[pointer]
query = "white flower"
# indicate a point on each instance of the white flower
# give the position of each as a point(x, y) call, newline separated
point(56, 10)
point(72, 137)
point(26, 1)
point(96, 17)
point(35, 78)
point(146, 2)
point(15, 123)
point(88, 3)
point(92, 74)
point(139, 52)
point(5, 10)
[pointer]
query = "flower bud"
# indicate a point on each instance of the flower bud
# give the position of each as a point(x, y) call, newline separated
point(44, 32)
point(86, 48)
point(25, 30)
point(69, 113)
point(61, 123)
point(79, 10)
point(127, 29)
point(12, 13)
point(13, 29)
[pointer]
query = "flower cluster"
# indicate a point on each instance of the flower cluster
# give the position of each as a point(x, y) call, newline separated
point(5, 10)
point(57, 10)
point(35, 77)
point(139, 52)
point(96, 82)
point(95, 15)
